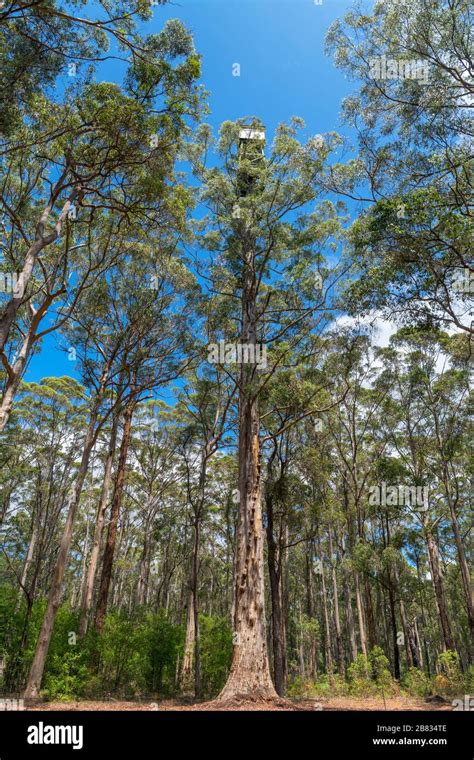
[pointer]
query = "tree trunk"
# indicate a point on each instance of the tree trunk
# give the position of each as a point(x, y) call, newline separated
point(337, 620)
point(40, 242)
point(37, 667)
point(276, 589)
point(88, 589)
point(433, 553)
point(186, 675)
point(15, 372)
point(249, 675)
point(109, 551)
point(26, 566)
point(360, 615)
point(327, 627)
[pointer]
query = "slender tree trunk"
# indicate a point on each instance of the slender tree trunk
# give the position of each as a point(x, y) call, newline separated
point(360, 615)
point(197, 633)
point(40, 242)
point(109, 551)
point(88, 590)
point(393, 621)
point(327, 627)
point(349, 617)
point(144, 567)
point(44, 638)
point(337, 620)
point(433, 553)
point(276, 590)
point(463, 565)
point(26, 566)
point(16, 371)
point(313, 644)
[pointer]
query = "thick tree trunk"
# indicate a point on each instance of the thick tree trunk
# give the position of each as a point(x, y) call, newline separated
point(109, 551)
point(249, 675)
point(88, 590)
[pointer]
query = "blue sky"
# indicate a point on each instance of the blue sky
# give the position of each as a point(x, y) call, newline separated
point(284, 72)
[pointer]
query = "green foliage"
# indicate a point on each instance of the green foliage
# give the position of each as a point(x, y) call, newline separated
point(416, 683)
point(449, 680)
point(216, 653)
point(371, 675)
point(66, 678)
point(321, 687)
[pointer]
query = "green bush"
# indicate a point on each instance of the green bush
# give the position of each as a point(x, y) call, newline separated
point(164, 641)
point(450, 680)
point(370, 676)
point(66, 676)
point(216, 653)
point(416, 683)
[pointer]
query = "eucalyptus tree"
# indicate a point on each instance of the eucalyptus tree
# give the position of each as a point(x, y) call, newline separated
point(132, 338)
point(413, 118)
point(431, 396)
point(42, 41)
point(105, 158)
point(49, 427)
point(269, 244)
point(204, 418)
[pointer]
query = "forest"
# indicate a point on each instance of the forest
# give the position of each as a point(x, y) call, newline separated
point(254, 484)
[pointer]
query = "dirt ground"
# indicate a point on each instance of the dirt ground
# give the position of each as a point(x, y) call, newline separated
point(332, 704)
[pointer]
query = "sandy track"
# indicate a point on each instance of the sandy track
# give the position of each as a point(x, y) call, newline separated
point(332, 704)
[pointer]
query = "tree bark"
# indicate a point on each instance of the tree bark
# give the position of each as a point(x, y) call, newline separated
point(88, 590)
point(109, 551)
point(433, 553)
point(337, 620)
point(40, 242)
point(276, 590)
point(249, 676)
